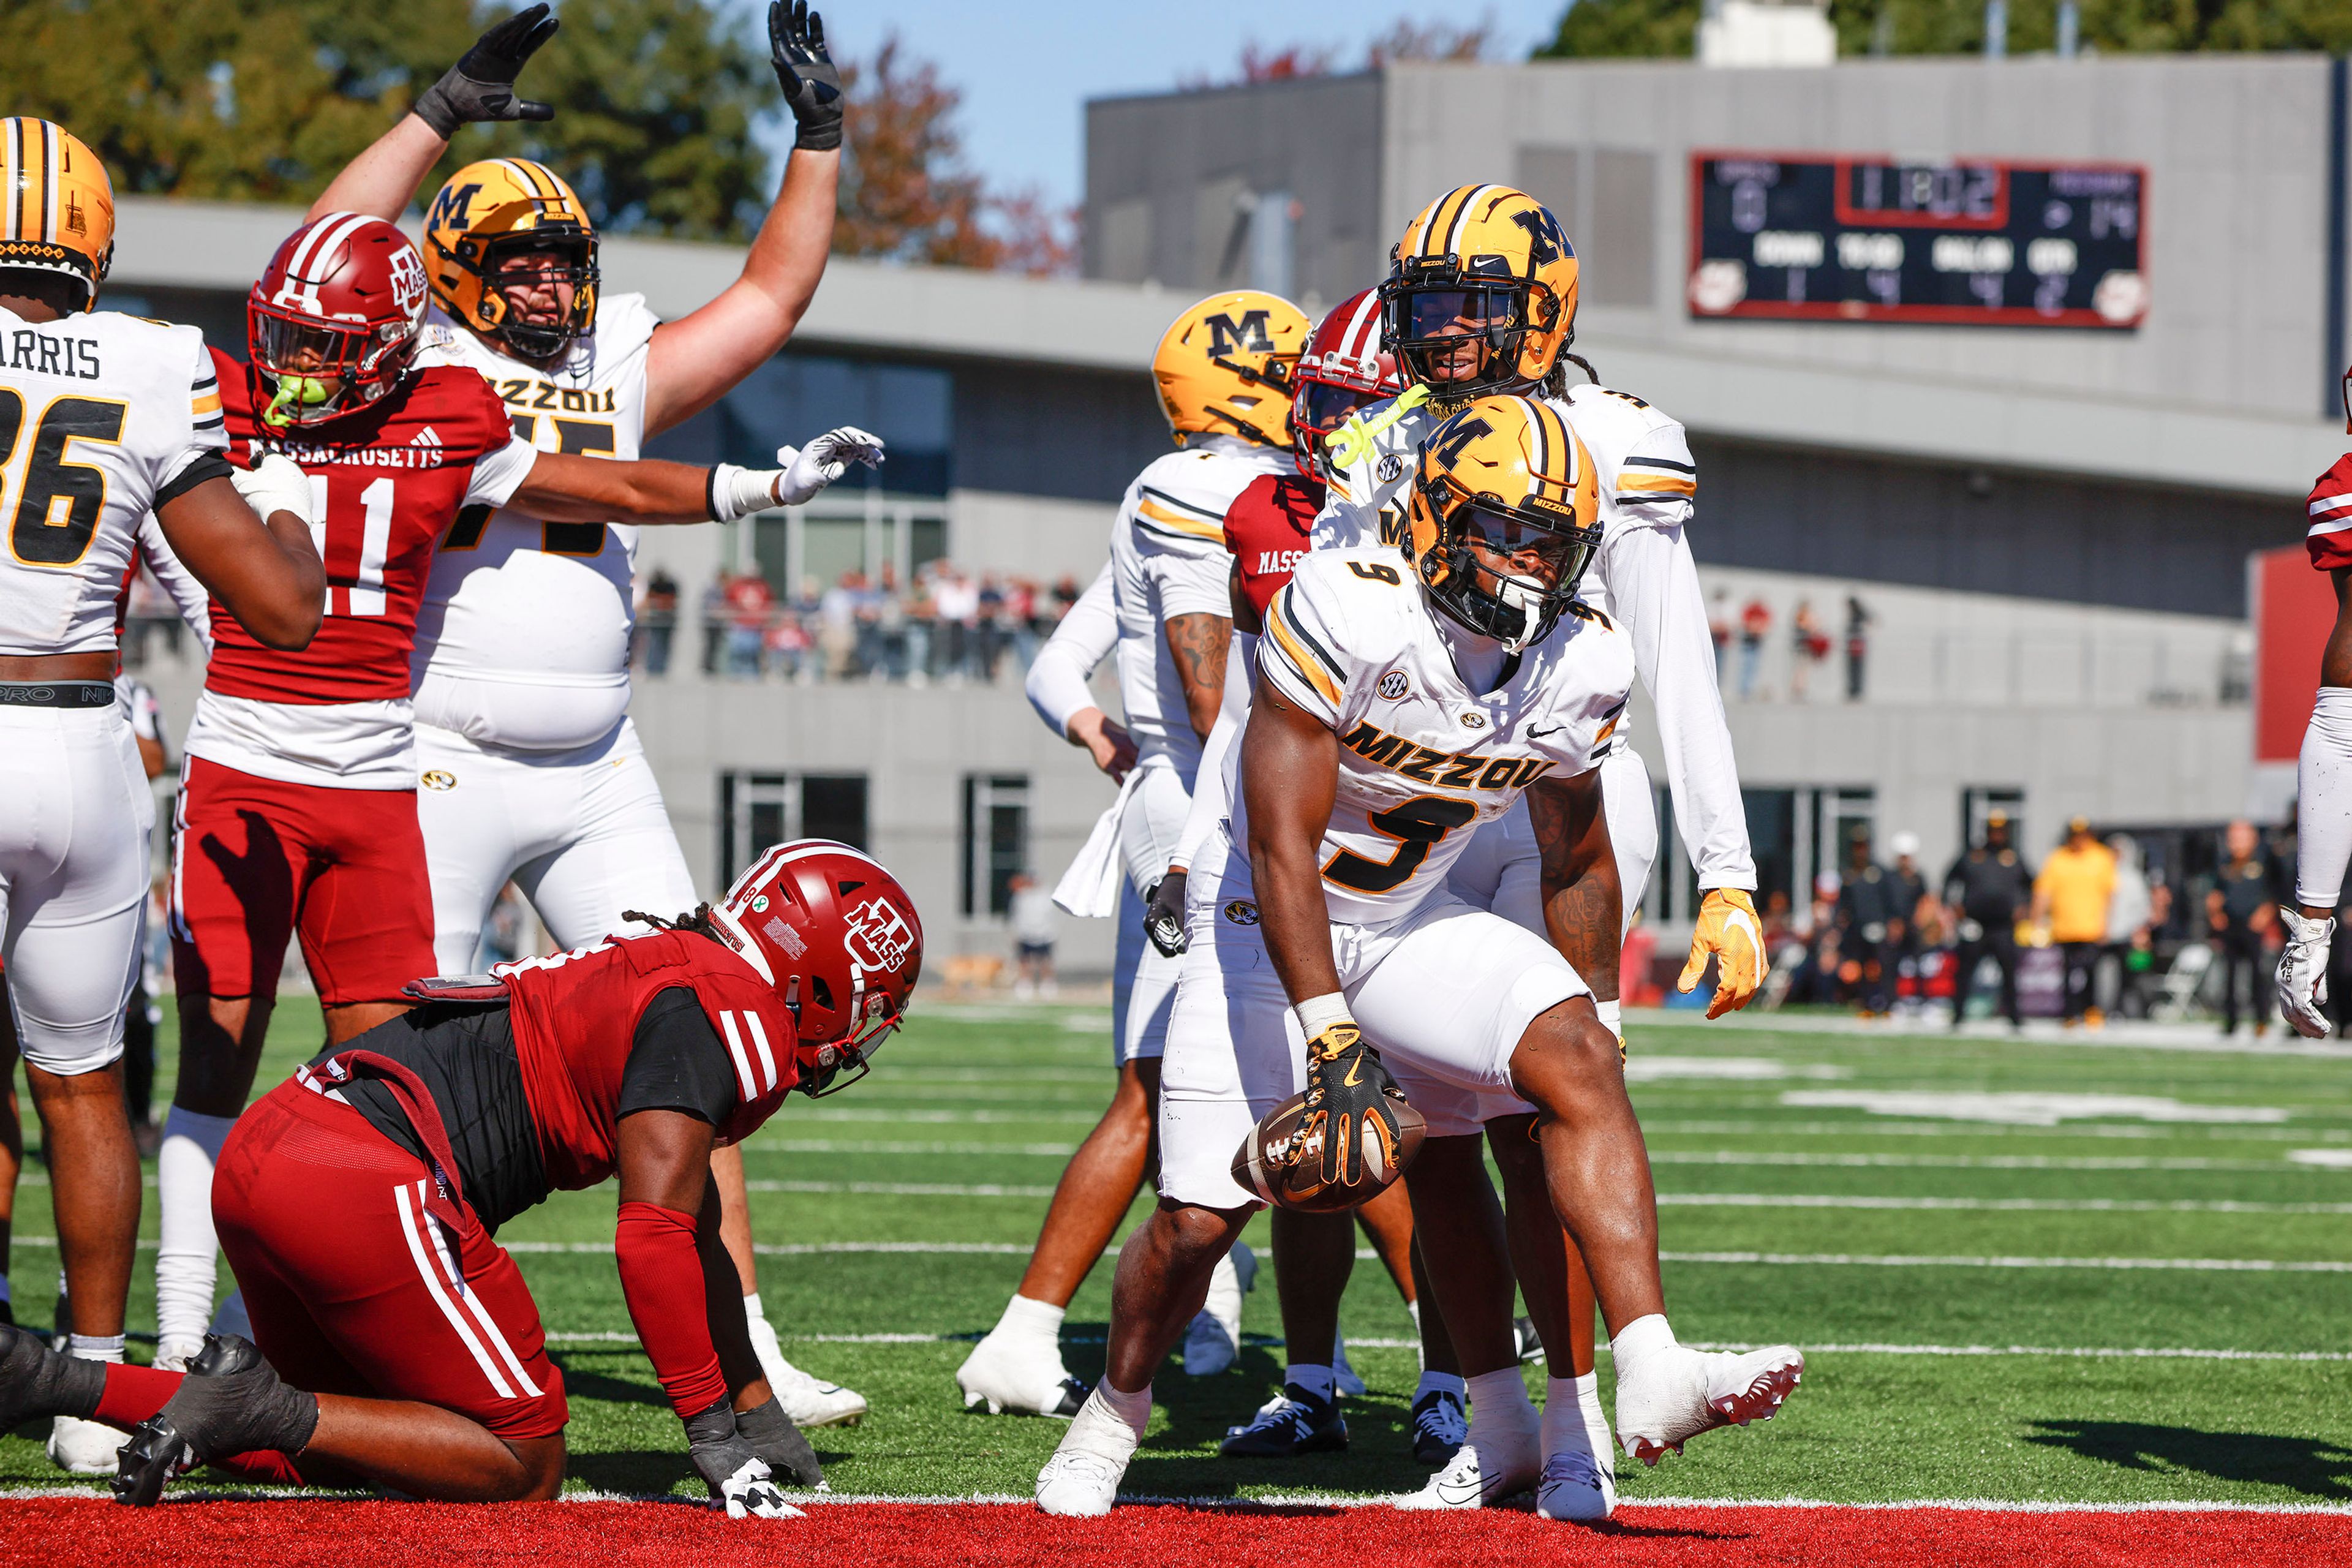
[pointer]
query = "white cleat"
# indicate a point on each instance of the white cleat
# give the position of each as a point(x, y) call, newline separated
point(1577, 1486)
point(1476, 1479)
point(1673, 1393)
point(810, 1401)
point(1081, 1480)
point(84, 1447)
point(1346, 1378)
point(1027, 1381)
point(1213, 1338)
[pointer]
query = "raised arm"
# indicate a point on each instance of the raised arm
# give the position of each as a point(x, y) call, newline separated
point(245, 536)
point(695, 359)
point(1584, 904)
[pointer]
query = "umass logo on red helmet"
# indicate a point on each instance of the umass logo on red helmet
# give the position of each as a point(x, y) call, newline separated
point(879, 937)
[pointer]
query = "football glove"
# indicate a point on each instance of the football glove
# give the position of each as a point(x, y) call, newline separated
point(1163, 915)
point(480, 85)
point(273, 484)
point(1727, 928)
point(777, 1443)
point(739, 1479)
point(810, 469)
point(805, 71)
point(2302, 971)
point(1347, 1095)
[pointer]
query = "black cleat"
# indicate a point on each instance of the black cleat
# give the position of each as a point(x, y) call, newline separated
point(1439, 1429)
point(231, 1402)
point(1292, 1423)
point(1074, 1393)
point(1532, 1346)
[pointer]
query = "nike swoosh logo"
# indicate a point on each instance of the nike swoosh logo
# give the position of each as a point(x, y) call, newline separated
point(1459, 1496)
point(1546, 730)
point(1354, 1068)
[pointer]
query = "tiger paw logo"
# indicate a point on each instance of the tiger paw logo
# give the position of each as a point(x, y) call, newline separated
point(439, 778)
point(879, 936)
point(1394, 686)
point(1242, 912)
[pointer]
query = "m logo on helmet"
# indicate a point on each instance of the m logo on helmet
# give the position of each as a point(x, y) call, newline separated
point(1228, 337)
point(879, 937)
point(453, 207)
point(1545, 243)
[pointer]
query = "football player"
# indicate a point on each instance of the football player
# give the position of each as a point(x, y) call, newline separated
point(534, 773)
point(1401, 698)
point(1221, 370)
point(409, 1347)
point(103, 419)
point(296, 812)
point(2323, 809)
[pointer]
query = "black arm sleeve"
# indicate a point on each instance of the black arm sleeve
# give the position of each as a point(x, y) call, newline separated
point(211, 466)
point(676, 1061)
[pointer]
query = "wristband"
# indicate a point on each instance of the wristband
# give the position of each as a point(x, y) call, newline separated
point(1317, 1014)
point(738, 492)
point(1612, 1012)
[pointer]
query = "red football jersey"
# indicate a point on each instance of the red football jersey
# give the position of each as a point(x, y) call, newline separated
point(1269, 529)
point(2329, 539)
point(394, 476)
point(572, 1074)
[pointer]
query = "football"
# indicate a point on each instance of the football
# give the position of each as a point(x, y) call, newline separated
point(1259, 1165)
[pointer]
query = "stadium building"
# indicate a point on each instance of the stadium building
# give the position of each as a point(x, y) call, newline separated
point(2022, 361)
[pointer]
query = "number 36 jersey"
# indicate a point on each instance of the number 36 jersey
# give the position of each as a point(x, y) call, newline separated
point(1422, 759)
point(103, 418)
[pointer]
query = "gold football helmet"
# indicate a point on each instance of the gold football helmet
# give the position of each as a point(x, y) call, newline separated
point(56, 206)
point(1224, 367)
point(1504, 518)
point(1480, 295)
point(496, 209)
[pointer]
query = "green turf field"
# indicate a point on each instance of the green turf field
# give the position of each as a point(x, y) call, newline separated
point(1950, 1276)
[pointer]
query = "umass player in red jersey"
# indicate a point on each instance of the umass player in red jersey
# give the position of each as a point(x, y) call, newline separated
point(394, 1340)
point(298, 808)
point(2323, 774)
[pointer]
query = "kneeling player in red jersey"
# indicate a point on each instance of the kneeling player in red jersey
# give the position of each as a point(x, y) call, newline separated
point(2323, 774)
point(357, 1200)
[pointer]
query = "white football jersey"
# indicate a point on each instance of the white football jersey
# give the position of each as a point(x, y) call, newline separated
point(1423, 758)
point(1167, 558)
point(523, 640)
point(103, 417)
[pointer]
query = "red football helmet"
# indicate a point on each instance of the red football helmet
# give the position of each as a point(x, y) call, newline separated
point(334, 324)
point(1343, 368)
point(839, 939)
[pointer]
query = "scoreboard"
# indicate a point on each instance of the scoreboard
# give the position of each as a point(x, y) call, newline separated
point(1834, 238)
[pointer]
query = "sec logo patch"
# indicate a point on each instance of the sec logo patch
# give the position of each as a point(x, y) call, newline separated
point(1242, 912)
point(1394, 686)
point(439, 778)
point(1391, 469)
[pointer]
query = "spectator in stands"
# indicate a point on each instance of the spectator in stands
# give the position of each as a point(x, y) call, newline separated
point(836, 626)
point(2071, 895)
point(2241, 915)
point(2130, 953)
point(1033, 937)
point(889, 662)
point(1807, 646)
point(1718, 625)
point(989, 627)
point(956, 598)
point(1857, 645)
point(789, 651)
point(1755, 625)
point(1813, 977)
point(657, 620)
point(714, 620)
point(923, 623)
point(1870, 915)
point(1987, 889)
point(1021, 618)
point(1909, 900)
point(749, 602)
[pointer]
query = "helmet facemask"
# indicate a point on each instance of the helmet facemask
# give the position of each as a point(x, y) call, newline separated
point(570, 257)
point(1503, 572)
point(321, 370)
point(1320, 408)
point(1461, 331)
point(833, 1067)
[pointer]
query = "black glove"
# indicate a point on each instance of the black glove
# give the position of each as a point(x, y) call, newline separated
point(1163, 915)
point(812, 86)
point(481, 87)
point(780, 1444)
point(736, 1476)
point(1347, 1093)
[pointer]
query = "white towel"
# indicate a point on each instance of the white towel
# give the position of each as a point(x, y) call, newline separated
point(1089, 888)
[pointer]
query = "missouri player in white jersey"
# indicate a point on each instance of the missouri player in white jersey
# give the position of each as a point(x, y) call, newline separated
point(530, 768)
point(1220, 369)
point(1401, 698)
point(103, 418)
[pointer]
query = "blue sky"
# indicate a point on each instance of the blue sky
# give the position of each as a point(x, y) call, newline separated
point(1028, 66)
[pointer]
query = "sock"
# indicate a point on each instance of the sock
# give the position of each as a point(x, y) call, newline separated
point(1420, 1351)
point(1499, 1406)
point(132, 1395)
point(751, 1308)
point(95, 1347)
point(186, 1267)
point(1440, 1382)
point(1639, 1337)
point(1031, 1322)
point(1135, 1409)
point(1319, 1381)
point(1566, 1423)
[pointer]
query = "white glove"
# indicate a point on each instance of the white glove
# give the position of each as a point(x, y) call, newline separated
point(812, 467)
point(2302, 971)
point(752, 1493)
point(273, 484)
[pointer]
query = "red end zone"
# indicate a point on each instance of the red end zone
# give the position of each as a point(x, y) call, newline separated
point(56, 1532)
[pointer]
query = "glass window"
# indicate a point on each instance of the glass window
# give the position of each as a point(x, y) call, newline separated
point(796, 396)
point(995, 841)
point(760, 811)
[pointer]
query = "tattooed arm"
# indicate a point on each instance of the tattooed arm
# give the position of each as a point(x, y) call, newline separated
point(1583, 905)
point(1199, 644)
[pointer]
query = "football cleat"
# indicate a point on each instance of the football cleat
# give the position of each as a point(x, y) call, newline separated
point(1577, 1486)
point(1292, 1423)
point(1213, 1338)
point(1673, 1393)
point(231, 1402)
point(1531, 1349)
point(1081, 1480)
point(1001, 1376)
point(1476, 1479)
point(1439, 1429)
point(811, 1400)
point(84, 1447)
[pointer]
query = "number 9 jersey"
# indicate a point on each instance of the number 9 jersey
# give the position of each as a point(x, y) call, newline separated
point(1423, 758)
point(103, 418)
